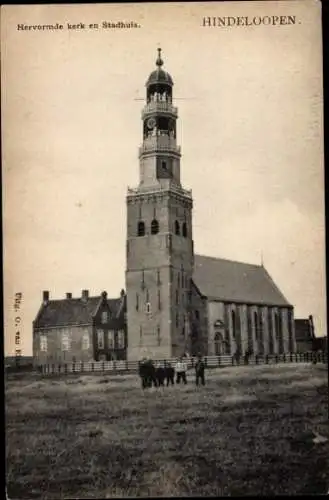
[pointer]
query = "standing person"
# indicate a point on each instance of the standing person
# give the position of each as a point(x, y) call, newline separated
point(160, 374)
point(199, 371)
point(181, 369)
point(170, 374)
point(143, 373)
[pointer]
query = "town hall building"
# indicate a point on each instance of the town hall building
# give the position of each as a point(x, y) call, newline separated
point(175, 300)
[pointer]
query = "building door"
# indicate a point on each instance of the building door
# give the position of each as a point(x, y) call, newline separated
point(219, 344)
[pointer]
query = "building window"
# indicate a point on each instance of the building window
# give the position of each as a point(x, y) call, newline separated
point(110, 339)
point(197, 315)
point(143, 281)
point(105, 317)
point(177, 231)
point(250, 336)
point(177, 320)
point(66, 342)
point(278, 330)
point(141, 228)
point(85, 341)
point(121, 339)
point(159, 300)
point(43, 343)
point(178, 279)
point(184, 230)
point(290, 326)
point(270, 331)
point(100, 339)
point(177, 298)
point(148, 308)
point(158, 277)
point(154, 226)
point(147, 296)
point(261, 333)
point(158, 334)
point(233, 319)
point(137, 302)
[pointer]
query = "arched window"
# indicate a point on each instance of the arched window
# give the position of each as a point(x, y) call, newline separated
point(154, 226)
point(250, 336)
point(177, 231)
point(270, 332)
point(141, 228)
point(233, 325)
point(290, 327)
point(261, 334)
point(184, 230)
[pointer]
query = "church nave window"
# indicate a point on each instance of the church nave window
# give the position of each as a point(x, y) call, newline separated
point(154, 226)
point(184, 230)
point(177, 228)
point(141, 228)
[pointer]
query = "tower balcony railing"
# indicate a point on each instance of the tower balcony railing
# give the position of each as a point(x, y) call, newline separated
point(159, 189)
point(159, 142)
point(161, 106)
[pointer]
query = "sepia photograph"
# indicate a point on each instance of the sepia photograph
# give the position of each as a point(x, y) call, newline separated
point(165, 327)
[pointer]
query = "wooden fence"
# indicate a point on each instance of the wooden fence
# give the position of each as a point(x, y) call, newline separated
point(210, 361)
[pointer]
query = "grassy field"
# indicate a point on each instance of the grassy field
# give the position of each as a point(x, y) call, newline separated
point(249, 431)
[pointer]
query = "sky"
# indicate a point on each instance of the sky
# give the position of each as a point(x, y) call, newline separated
point(250, 128)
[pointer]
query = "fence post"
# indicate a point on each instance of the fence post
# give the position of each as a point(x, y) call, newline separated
point(205, 361)
point(218, 360)
point(256, 359)
point(103, 366)
point(266, 359)
point(114, 365)
point(65, 368)
point(92, 367)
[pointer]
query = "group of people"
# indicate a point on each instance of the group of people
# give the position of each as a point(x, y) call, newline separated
point(161, 374)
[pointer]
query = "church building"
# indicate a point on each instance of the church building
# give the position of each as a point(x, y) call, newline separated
point(175, 301)
point(178, 301)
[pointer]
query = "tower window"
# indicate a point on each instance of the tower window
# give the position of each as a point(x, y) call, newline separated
point(159, 300)
point(137, 302)
point(154, 226)
point(141, 228)
point(148, 308)
point(177, 229)
point(184, 229)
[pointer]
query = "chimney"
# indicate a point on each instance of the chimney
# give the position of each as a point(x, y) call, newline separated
point(45, 297)
point(69, 295)
point(122, 293)
point(85, 295)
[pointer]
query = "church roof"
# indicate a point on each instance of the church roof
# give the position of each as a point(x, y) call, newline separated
point(228, 280)
point(69, 312)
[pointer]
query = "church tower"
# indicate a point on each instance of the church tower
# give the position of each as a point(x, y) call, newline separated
point(159, 233)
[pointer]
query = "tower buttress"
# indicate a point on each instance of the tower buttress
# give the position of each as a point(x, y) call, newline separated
point(159, 233)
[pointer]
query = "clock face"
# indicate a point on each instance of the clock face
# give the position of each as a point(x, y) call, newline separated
point(151, 123)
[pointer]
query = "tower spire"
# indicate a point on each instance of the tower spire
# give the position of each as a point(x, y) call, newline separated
point(159, 61)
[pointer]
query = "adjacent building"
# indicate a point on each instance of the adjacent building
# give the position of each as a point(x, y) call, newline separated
point(80, 329)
